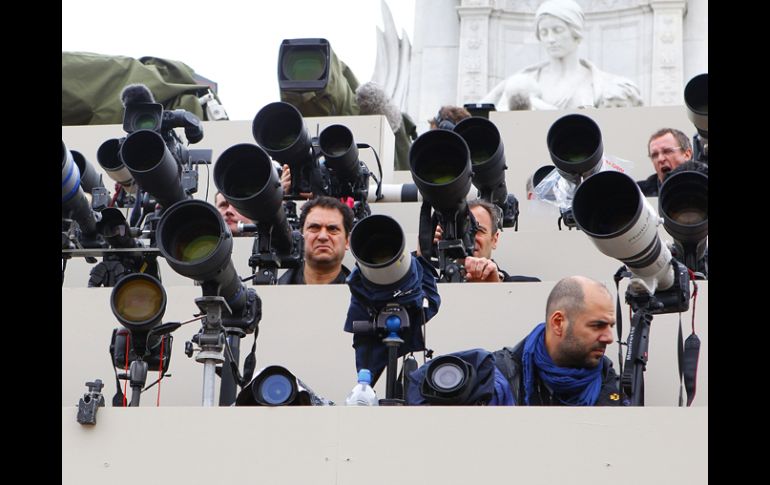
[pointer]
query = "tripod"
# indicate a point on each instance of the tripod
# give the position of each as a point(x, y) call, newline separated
point(222, 330)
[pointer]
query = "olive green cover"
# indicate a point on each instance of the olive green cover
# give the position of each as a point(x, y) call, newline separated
point(91, 85)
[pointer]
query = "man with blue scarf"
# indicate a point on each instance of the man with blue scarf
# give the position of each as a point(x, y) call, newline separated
point(562, 362)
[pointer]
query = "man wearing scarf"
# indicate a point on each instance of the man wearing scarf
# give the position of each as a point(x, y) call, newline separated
point(562, 362)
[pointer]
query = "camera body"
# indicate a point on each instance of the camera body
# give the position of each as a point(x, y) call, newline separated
point(121, 340)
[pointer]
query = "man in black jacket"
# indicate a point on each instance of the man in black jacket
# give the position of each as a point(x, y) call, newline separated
point(562, 362)
point(481, 266)
point(668, 148)
point(326, 223)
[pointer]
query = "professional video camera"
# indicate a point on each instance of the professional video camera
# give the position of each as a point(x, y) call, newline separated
point(326, 165)
point(314, 80)
point(276, 386)
point(488, 165)
point(696, 98)
point(462, 378)
point(138, 301)
point(196, 243)
point(441, 168)
point(153, 156)
point(246, 178)
point(388, 288)
point(613, 212)
point(151, 166)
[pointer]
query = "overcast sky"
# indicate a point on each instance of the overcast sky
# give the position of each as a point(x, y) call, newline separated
point(232, 42)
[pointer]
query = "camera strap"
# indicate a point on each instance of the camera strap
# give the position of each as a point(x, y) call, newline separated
point(621, 273)
point(688, 352)
point(250, 363)
point(426, 230)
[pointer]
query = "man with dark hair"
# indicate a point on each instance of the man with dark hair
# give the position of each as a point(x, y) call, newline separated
point(668, 148)
point(481, 267)
point(562, 362)
point(326, 224)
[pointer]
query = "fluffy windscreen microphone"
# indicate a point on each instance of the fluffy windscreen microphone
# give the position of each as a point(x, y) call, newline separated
point(136, 93)
point(372, 100)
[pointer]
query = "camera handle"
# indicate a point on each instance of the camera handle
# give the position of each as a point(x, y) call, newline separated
point(392, 342)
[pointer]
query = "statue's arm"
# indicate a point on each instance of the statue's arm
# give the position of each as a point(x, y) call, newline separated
point(494, 95)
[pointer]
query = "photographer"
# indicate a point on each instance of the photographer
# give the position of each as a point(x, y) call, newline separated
point(481, 267)
point(562, 362)
point(326, 224)
point(668, 148)
point(230, 215)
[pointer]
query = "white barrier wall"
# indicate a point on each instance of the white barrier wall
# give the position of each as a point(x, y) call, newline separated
point(301, 329)
point(387, 446)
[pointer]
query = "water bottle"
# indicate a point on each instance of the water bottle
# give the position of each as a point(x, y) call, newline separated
point(362, 394)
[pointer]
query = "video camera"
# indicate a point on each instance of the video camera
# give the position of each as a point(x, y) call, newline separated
point(151, 166)
point(153, 156)
point(314, 80)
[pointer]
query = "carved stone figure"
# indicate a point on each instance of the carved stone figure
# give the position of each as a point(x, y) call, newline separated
point(565, 81)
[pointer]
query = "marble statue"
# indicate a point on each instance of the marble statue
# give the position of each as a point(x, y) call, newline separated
point(565, 81)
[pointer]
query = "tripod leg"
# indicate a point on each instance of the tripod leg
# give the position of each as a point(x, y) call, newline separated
point(229, 387)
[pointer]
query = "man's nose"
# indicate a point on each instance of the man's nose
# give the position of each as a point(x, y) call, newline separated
point(606, 336)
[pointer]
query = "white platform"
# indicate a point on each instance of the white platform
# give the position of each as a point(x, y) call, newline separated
point(386, 446)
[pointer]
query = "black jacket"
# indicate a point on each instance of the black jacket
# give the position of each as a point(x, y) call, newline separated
point(510, 278)
point(649, 186)
point(508, 360)
point(296, 276)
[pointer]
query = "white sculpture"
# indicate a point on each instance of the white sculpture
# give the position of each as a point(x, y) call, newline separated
point(391, 68)
point(565, 81)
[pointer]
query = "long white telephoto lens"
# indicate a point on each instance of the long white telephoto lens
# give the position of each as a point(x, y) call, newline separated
point(611, 210)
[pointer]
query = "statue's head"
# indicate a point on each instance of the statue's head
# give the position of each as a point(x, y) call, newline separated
point(568, 11)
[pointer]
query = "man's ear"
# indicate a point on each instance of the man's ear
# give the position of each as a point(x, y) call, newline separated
point(558, 323)
point(495, 238)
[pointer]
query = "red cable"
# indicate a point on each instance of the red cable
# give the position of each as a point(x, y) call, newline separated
point(162, 341)
point(125, 384)
point(694, 301)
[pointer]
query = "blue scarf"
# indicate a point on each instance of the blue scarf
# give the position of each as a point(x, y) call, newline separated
point(573, 387)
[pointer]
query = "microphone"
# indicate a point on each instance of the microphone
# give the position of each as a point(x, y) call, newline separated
point(136, 93)
point(372, 100)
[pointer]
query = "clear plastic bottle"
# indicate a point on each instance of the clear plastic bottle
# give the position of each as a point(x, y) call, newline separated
point(363, 394)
